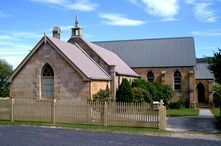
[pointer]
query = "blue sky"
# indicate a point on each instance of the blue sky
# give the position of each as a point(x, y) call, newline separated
point(23, 22)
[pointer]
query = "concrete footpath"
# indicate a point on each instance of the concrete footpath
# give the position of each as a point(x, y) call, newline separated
point(205, 122)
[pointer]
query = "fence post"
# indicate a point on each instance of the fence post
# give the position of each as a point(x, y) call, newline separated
point(53, 111)
point(12, 110)
point(162, 116)
point(105, 113)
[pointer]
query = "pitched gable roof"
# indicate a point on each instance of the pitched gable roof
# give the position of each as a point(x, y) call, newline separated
point(80, 58)
point(113, 59)
point(202, 71)
point(165, 52)
point(74, 55)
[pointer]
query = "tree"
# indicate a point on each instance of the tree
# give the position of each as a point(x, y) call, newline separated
point(124, 93)
point(5, 72)
point(216, 94)
point(215, 65)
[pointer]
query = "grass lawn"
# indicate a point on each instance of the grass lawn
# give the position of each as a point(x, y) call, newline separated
point(182, 112)
point(216, 112)
point(123, 129)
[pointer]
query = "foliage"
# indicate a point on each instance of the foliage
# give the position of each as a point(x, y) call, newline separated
point(141, 95)
point(156, 90)
point(177, 105)
point(217, 94)
point(124, 93)
point(5, 72)
point(163, 92)
point(215, 65)
point(102, 95)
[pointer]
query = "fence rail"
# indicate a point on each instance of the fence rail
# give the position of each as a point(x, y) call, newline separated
point(71, 111)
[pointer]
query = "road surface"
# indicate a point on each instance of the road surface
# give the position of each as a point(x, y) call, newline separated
point(43, 136)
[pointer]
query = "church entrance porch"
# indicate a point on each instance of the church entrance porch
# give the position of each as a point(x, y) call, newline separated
point(201, 94)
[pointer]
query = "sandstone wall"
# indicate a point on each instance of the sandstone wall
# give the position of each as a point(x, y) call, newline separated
point(97, 85)
point(208, 84)
point(166, 76)
point(67, 82)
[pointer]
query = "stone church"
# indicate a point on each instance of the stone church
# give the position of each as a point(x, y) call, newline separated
point(78, 69)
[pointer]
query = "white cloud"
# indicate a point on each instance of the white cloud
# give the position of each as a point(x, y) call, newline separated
point(81, 5)
point(119, 20)
point(165, 9)
point(203, 11)
point(209, 33)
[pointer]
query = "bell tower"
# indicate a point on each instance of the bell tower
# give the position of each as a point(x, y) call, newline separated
point(77, 31)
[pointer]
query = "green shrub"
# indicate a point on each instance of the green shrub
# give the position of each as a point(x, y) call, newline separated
point(157, 91)
point(177, 105)
point(141, 95)
point(162, 92)
point(124, 92)
point(102, 95)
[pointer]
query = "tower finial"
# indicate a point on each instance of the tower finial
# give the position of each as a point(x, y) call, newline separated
point(76, 21)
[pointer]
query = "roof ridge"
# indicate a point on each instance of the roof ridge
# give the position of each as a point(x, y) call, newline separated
point(167, 38)
point(92, 45)
point(108, 51)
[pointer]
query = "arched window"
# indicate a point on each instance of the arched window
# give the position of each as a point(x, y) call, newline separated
point(150, 76)
point(177, 80)
point(47, 82)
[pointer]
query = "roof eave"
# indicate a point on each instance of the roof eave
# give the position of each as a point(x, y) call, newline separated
point(128, 75)
point(101, 79)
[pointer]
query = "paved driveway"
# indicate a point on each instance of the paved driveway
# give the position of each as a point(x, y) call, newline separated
point(205, 122)
point(39, 136)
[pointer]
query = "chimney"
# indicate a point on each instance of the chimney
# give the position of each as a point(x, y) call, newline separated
point(77, 31)
point(56, 32)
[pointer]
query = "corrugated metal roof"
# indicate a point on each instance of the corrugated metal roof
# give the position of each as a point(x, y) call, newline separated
point(202, 71)
point(112, 59)
point(80, 59)
point(165, 52)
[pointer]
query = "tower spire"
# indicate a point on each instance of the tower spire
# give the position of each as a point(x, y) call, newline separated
point(76, 21)
point(77, 31)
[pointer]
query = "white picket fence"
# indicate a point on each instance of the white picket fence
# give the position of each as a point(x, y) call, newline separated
point(71, 111)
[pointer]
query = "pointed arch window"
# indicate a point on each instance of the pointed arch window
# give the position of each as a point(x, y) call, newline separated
point(150, 76)
point(177, 80)
point(47, 81)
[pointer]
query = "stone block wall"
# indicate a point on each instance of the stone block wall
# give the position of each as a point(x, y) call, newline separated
point(97, 85)
point(166, 76)
point(67, 82)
